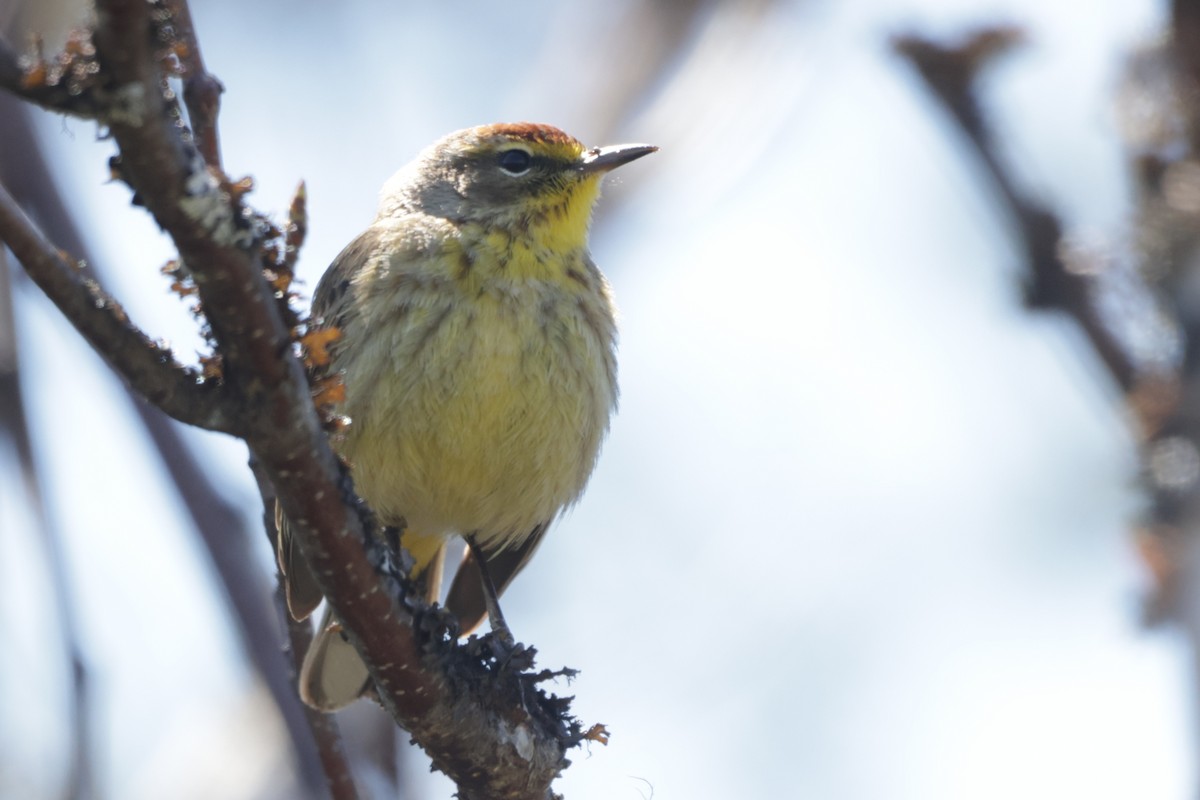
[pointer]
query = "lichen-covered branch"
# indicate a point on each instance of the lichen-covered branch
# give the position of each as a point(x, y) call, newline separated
point(146, 366)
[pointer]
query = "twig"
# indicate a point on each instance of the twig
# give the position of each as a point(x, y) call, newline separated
point(950, 73)
point(149, 368)
point(201, 90)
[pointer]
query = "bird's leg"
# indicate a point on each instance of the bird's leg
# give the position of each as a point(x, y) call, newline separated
point(491, 598)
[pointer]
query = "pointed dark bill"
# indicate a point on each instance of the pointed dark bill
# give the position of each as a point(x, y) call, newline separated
point(602, 159)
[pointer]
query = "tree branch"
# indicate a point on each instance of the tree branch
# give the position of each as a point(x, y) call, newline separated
point(201, 90)
point(220, 526)
point(70, 84)
point(149, 368)
point(325, 732)
point(950, 73)
point(482, 720)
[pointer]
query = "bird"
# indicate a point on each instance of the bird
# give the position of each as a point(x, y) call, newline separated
point(476, 349)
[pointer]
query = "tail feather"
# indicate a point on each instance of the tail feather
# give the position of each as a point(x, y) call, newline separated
point(333, 674)
point(299, 585)
point(466, 598)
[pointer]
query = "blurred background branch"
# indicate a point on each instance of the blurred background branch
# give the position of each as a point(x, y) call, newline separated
point(1160, 106)
point(77, 781)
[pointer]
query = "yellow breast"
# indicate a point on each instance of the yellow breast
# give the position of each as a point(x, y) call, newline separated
point(479, 400)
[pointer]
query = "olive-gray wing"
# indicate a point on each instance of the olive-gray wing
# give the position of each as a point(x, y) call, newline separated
point(466, 599)
point(333, 288)
point(300, 587)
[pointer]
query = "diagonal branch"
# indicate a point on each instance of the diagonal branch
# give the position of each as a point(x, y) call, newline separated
point(149, 368)
point(950, 73)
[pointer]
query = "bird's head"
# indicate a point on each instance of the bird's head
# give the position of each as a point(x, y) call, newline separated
point(512, 176)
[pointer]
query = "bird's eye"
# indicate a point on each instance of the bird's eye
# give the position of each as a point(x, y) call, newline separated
point(515, 162)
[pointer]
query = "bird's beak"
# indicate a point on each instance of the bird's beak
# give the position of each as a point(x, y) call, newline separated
point(602, 159)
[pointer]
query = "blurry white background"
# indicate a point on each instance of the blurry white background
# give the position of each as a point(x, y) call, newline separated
point(861, 529)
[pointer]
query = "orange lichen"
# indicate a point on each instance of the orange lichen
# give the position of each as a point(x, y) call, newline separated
point(35, 76)
point(329, 391)
point(596, 733)
point(316, 345)
point(279, 280)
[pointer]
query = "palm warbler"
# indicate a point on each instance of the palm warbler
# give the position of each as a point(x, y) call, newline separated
point(477, 358)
